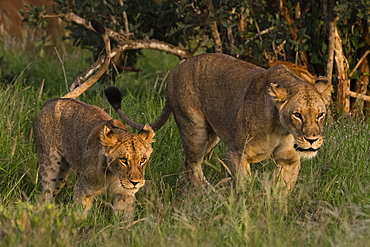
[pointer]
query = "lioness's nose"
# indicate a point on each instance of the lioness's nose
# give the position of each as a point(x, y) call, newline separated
point(311, 140)
point(134, 183)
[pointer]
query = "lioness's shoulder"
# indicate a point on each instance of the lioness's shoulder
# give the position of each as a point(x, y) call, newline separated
point(214, 57)
point(215, 61)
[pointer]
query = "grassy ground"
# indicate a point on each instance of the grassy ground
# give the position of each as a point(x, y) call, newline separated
point(330, 205)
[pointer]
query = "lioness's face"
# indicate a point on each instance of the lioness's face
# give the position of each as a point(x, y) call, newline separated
point(303, 115)
point(302, 110)
point(128, 156)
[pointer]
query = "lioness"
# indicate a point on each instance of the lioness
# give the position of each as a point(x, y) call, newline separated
point(259, 113)
point(70, 134)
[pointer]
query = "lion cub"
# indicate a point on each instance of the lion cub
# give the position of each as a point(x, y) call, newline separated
point(106, 156)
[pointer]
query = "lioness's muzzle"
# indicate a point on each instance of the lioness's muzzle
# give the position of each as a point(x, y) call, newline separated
point(296, 147)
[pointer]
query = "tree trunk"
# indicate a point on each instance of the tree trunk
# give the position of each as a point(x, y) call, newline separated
point(342, 73)
point(330, 23)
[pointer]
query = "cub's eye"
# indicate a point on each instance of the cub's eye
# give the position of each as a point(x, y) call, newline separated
point(297, 115)
point(123, 161)
point(142, 161)
point(320, 115)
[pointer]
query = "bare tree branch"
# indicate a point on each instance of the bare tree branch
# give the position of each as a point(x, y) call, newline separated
point(127, 29)
point(84, 75)
point(123, 43)
point(259, 34)
point(130, 45)
point(359, 96)
point(214, 29)
point(123, 40)
point(216, 36)
point(359, 62)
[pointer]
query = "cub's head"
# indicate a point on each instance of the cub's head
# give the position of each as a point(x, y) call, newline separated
point(302, 110)
point(127, 153)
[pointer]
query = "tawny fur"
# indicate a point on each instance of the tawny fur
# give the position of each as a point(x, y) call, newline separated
point(260, 114)
point(106, 156)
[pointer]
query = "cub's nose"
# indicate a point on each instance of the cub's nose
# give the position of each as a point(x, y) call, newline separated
point(311, 140)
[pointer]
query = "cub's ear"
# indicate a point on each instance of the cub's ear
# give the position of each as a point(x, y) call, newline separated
point(118, 124)
point(324, 88)
point(107, 137)
point(147, 133)
point(278, 94)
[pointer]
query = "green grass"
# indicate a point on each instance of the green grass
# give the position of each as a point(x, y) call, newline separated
point(330, 205)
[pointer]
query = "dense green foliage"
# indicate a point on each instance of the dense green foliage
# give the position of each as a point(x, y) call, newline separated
point(295, 31)
point(329, 207)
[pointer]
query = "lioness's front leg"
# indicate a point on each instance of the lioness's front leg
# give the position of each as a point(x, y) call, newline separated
point(286, 171)
point(196, 175)
point(197, 140)
point(239, 167)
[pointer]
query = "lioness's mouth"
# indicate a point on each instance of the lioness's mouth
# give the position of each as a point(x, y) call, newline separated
point(305, 149)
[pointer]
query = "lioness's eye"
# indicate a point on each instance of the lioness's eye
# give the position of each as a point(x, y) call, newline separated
point(142, 161)
point(320, 115)
point(123, 161)
point(297, 115)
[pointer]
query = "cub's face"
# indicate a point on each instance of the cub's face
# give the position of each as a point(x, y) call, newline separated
point(302, 113)
point(128, 155)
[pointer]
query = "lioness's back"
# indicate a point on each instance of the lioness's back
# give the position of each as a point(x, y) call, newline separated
point(217, 79)
point(204, 71)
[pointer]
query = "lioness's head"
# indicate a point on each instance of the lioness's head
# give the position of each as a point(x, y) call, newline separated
point(127, 153)
point(302, 110)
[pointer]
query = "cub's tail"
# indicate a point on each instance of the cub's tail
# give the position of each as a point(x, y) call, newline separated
point(91, 81)
point(114, 97)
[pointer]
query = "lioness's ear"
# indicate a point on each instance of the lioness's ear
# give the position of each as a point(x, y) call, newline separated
point(278, 94)
point(107, 137)
point(147, 133)
point(323, 86)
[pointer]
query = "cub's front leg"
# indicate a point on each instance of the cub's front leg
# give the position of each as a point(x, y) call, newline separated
point(85, 190)
point(124, 200)
point(124, 204)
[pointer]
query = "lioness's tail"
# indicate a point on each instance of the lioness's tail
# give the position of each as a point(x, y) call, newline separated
point(114, 97)
point(91, 81)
